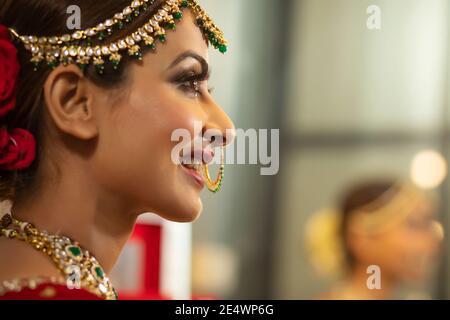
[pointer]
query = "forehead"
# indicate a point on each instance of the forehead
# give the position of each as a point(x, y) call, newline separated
point(186, 37)
point(425, 208)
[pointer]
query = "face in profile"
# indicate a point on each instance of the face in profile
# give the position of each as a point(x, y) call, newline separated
point(167, 91)
point(414, 245)
point(406, 251)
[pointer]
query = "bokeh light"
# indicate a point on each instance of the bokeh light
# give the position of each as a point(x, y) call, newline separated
point(428, 169)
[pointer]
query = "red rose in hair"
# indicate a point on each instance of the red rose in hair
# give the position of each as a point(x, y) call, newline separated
point(17, 150)
point(9, 72)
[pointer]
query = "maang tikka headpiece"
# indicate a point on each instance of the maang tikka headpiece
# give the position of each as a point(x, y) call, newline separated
point(78, 47)
point(90, 46)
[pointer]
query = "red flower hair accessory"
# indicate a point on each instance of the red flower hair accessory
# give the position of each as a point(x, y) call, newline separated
point(18, 148)
point(9, 72)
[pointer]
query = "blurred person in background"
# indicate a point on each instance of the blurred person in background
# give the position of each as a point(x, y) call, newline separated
point(383, 236)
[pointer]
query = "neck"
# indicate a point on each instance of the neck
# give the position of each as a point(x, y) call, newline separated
point(77, 208)
point(357, 284)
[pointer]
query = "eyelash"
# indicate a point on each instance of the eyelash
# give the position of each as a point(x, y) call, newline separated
point(192, 84)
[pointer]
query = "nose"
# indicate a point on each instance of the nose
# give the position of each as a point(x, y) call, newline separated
point(438, 232)
point(219, 128)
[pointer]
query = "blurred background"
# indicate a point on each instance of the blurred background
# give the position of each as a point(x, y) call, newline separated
point(350, 103)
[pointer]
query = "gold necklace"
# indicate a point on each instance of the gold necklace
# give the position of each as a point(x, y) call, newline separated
point(78, 266)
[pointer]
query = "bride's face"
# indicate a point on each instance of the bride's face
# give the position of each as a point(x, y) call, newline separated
point(166, 92)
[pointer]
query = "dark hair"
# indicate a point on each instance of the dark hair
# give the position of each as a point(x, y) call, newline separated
point(48, 18)
point(357, 197)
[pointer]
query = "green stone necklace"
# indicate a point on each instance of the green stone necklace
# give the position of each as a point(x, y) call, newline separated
point(80, 269)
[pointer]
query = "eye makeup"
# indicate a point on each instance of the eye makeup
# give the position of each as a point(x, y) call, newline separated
point(191, 73)
point(191, 81)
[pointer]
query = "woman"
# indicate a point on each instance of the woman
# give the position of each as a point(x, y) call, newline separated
point(86, 129)
point(384, 235)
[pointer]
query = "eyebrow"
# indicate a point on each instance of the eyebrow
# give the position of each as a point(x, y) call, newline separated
point(193, 55)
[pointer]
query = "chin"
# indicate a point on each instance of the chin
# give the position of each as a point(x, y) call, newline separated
point(189, 211)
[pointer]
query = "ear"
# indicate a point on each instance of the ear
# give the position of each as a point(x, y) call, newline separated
point(357, 244)
point(364, 247)
point(68, 100)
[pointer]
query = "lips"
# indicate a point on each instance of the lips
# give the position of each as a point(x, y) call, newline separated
point(194, 172)
point(193, 165)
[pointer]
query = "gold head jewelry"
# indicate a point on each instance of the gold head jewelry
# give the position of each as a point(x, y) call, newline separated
point(79, 47)
point(391, 208)
point(214, 186)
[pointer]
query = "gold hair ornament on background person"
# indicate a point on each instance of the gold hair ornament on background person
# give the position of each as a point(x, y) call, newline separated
point(214, 186)
point(78, 48)
point(324, 245)
point(387, 211)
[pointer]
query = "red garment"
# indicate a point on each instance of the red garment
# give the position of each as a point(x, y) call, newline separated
point(50, 291)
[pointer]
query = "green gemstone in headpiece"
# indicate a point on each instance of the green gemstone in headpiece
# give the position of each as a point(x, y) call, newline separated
point(178, 15)
point(223, 48)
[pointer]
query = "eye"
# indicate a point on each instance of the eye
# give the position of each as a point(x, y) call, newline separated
point(191, 88)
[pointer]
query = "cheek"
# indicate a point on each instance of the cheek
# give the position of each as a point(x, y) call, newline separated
point(135, 146)
point(382, 250)
point(155, 118)
point(406, 257)
point(148, 119)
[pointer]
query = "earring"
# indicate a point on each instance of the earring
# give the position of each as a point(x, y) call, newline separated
point(214, 186)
